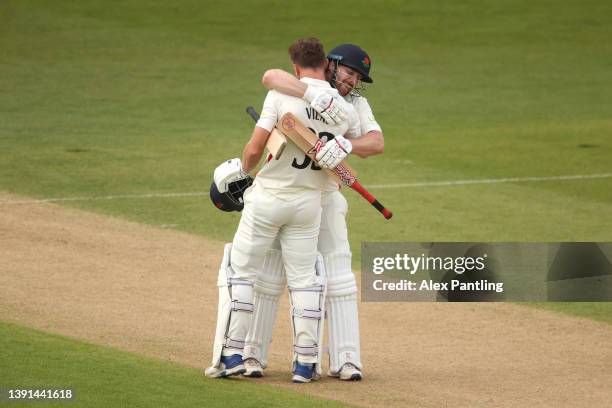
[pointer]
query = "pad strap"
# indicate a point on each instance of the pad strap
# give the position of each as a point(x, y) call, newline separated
point(238, 281)
point(242, 306)
point(309, 350)
point(307, 313)
point(314, 288)
point(235, 344)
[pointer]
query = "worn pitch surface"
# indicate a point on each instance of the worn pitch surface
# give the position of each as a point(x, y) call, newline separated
point(153, 291)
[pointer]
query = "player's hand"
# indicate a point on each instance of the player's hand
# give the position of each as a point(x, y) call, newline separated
point(228, 172)
point(329, 105)
point(334, 152)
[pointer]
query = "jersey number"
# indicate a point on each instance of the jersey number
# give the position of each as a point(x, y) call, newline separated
point(307, 160)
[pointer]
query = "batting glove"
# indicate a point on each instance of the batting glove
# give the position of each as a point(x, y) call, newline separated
point(228, 172)
point(334, 152)
point(329, 105)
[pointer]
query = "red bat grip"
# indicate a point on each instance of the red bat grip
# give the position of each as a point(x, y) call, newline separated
point(371, 199)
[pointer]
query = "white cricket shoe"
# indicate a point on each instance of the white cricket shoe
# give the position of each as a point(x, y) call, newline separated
point(230, 365)
point(253, 368)
point(349, 372)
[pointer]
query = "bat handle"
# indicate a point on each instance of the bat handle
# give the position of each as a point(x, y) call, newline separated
point(371, 199)
point(253, 113)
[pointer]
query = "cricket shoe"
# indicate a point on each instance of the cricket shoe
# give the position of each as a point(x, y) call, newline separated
point(303, 372)
point(349, 372)
point(253, 368)
point(230, 365)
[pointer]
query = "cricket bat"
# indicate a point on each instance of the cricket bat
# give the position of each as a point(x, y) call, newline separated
point(276, 141)
point(310, 144)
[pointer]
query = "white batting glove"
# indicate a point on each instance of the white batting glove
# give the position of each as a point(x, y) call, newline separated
point(329, 105)
point(334, 152)
point(228, 172)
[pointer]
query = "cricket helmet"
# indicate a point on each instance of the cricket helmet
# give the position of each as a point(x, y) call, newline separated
point(231, 200)
point(353, 57)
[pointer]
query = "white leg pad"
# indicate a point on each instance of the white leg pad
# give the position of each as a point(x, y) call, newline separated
point(234, 310)
point(342, 313)
point(269, 285)
point(240, 316)
point(307, 317)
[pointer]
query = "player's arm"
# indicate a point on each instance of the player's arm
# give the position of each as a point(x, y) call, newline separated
point(235, 169)
point(362, 139)
point(370, 144)
point(329, 105)
point(253, 150)
point(284, 82)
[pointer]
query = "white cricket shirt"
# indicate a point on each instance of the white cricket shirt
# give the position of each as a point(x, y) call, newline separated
point(294, 171)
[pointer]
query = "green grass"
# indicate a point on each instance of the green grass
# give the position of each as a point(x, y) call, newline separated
point(105, 377)
point(144, 96)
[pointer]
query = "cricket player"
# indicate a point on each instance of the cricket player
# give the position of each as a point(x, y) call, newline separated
point(283, 203)
point(347, 66)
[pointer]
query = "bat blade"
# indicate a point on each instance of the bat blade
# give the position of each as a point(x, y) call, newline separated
point(276, 144)
point(310, 144)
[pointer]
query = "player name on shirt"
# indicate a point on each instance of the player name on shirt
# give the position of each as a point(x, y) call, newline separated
point(314, 115)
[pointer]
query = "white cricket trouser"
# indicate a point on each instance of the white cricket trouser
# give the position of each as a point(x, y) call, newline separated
point(341, 301)
point(333, 234)
point(264, 218)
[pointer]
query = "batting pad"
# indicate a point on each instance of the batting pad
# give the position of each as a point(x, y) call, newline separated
point(241, 311)
point(342, 312)
point(307, 312)
point(268, 288)
point(234, 310)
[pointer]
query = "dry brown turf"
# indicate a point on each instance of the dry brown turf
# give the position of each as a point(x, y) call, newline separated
point(152, 291)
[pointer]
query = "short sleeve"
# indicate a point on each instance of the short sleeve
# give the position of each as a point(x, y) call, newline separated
point(354, 127)
point(366, 116)
point(269, 112)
